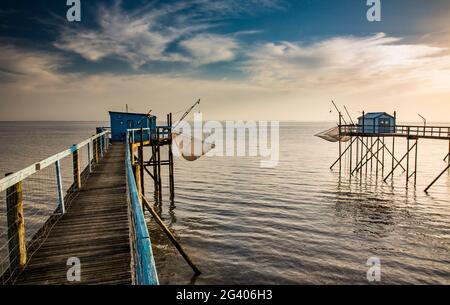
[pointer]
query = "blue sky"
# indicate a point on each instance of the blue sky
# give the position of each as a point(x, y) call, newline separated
point(254, 59)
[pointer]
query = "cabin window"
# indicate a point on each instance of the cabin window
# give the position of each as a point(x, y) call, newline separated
point(385, 122)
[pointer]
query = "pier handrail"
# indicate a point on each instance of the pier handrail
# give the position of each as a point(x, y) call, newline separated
point(31, 194)
point(15, 178)
point(144, 264)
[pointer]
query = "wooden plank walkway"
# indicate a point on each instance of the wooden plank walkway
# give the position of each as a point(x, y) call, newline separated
point(94, 229)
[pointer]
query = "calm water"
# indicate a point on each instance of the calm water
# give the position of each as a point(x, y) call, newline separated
point(297, 223)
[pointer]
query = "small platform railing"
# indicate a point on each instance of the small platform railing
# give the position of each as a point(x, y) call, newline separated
point(431, 132)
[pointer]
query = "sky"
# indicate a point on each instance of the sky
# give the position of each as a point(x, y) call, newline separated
point(246, 59)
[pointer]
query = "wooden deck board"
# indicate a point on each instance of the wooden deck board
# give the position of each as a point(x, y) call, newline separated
point(95, 229)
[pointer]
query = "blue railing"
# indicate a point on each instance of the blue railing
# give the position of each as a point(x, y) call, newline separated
point(144, 264)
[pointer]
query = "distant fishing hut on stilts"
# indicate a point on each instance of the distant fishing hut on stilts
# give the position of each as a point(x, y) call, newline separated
point(368, 149)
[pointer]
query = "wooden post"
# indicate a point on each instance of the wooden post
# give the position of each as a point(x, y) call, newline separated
point(137, 177)
point(393, 155)
point(158, 165)
point(383, 156)
point(340, 144)
point(357, 152)
point(96, 156)
point(76, 169)
point(159, 173)
point(367, 154)
point(351, 155)
point(371, 159)
point(155, 172)
point(377, 155)
point(171, 177)
point(363, 122)
point(407, 160)
point(59, 187)
point(141, 161)
point(415, 163)
point(100, 143)
point(362, 155)
point(89, 156)
point(16, 227)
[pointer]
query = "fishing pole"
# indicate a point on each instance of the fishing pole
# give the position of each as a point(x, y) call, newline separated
point(337, 109)
point(349, 115)
point(187, 113)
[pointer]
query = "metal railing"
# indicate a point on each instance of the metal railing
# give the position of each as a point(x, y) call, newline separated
point(144, 264)
point(35, 198)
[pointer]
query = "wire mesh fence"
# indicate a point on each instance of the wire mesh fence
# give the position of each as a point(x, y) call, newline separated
point(37, 197)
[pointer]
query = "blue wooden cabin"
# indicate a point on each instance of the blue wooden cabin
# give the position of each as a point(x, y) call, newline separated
point(377, 122)
point(121, 121)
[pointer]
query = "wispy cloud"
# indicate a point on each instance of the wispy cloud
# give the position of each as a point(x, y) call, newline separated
point(346, 61)
point(29, 70)
point(208, 48)
point(146, 34)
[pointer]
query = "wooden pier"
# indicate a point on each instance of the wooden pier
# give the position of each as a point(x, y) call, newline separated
point(93, 232)
point(94, 229)
point(96, 234)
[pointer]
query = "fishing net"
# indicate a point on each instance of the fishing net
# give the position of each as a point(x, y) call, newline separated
point(190, 147)
point(332, 135)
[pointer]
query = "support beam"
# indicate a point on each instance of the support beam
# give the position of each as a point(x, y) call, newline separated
point(171, 236)
point(361, 165)
point(399, 162)
point(364, 159)
point(437, 178)
point(341, 155)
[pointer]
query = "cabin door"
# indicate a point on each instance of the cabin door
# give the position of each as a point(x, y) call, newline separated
point(384, 126)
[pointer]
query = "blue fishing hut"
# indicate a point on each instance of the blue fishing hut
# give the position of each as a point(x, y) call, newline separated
point(377, 122)
point(121, 121)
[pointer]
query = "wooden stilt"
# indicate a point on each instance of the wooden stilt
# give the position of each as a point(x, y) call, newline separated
point(351, 155)
point(437, 178)
point(171, 178)
point(415, 163)
point(393, 155)
point(141, 162)
point(340, 144)
point(16, 227)
point(407, 160)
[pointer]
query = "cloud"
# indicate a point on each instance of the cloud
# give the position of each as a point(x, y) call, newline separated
point(286, 80)
point(136, 37)
point(29, 70)
point(146, 34)
point(347, 62)
point(209, 48)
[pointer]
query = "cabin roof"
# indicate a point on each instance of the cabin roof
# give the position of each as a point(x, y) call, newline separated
point(374, 115)
point(130, 113)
